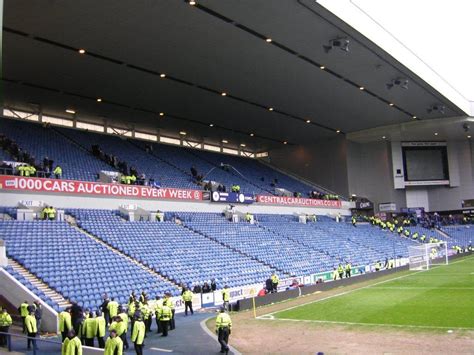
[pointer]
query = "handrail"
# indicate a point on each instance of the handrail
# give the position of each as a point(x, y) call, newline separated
point(34, 339)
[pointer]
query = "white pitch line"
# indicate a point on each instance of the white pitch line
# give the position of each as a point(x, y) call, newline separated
point(353, 290)
point(368, 324)
point(163, 350)
point(213, 336)
point(421, 288)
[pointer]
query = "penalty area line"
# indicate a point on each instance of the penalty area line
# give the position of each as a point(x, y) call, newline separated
point(367, 324)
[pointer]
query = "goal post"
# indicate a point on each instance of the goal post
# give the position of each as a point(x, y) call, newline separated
point(424, 256)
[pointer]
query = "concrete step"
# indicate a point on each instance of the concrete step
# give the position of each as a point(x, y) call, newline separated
point(55, 296)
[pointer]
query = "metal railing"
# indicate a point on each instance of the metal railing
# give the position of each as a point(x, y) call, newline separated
point(38, 345)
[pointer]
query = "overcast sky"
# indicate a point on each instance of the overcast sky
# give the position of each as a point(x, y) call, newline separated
point(439, 32)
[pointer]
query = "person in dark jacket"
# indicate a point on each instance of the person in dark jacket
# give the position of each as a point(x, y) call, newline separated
point(38, 314)
point(105, 309)
point(269, 285)
point(213, 285)
point(77, 316)
point(206, 288)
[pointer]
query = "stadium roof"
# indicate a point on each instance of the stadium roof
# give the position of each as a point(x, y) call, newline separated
point(266, 56)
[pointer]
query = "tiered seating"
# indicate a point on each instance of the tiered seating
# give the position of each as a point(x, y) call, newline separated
point(39, 141)
point(75, 265)
point(361, 245)
point(166, 174)
point(32, 288)
point(185, 158)
point(428, 232)
point(461, 235)
point(280, 252)
point(174, 251)
point(167, 164)
point(254, 171)
point(4, 156)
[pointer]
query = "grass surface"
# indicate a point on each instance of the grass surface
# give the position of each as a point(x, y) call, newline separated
point(442, 297)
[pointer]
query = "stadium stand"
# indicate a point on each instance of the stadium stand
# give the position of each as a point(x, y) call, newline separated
point(172, 250)
point(287, 254)
point(361, 245)
point(41, 142)
point(168, 165)
point(461, 235)
point(45, 248)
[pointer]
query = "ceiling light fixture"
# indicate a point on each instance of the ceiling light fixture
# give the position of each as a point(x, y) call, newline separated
point(183, 133)
point(99, 99)
point(162, 113)
point(251, 134)
point(468, 137)
point(436, 108)
point(340, 42)
point(162, 75)
point(361, 88)
point(308, 121)
point(270, 109)
point(242, 145)
point(414, 116)
point(285, 142)
point(71, 111)
point(399, 82)
point(224, 94)
point(225, 141)
point(322, 67)
point(82, 51)
point(211, 124)
point(338, 131)
point(391, 104)
point(436, 133)
point(383, 137)
point(268, 40)
point(192, 3)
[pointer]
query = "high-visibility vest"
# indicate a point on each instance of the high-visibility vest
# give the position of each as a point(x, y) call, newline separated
point(89, 328)
point(226, 295)
point(340, 269)
point(165, 313)
point(30, 324)
point(158, 306)
point(58, 171)
point(64, 321)
point(24, 309)
point(223, 321)
point(348, 267)
point(124, 317)
point(138, 332)
point(113, 346)
point(187, 296)
point(275, 279)
point(71, 347)
point(112, 306)
point(5, 319)
point(100, 326)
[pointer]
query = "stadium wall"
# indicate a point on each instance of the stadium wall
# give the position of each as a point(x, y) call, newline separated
point(323, 162)
point(11, 199)
point(369, 167)
point(461, 170)
point(16, 293)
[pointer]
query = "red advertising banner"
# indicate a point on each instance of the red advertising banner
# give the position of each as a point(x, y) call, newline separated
point(19, 183)
point(297, 201)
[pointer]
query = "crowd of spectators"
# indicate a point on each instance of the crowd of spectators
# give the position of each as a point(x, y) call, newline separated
point(129, 175)
point(29, 166)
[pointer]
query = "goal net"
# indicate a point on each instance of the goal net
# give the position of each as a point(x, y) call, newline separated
point(423, 256)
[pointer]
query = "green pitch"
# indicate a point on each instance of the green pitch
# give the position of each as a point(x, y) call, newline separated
point(442, 297)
